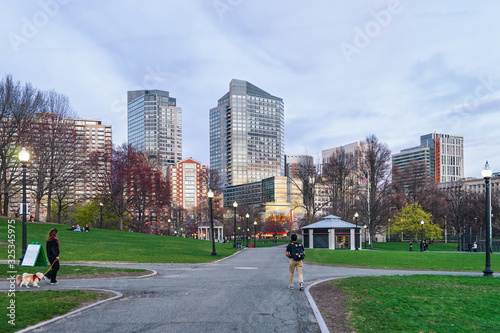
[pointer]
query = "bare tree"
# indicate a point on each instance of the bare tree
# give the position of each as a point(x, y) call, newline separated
point(340, 173)
point(307, 183)
point(375, 203)
point(56, 144)
point(18, 104)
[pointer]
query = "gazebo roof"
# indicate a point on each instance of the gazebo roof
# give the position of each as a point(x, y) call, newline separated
point(330, 222)
point(206, 223)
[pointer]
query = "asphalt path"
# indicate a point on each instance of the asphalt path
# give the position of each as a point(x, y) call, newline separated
point(247, 292)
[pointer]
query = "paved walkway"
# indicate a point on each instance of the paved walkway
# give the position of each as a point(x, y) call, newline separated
point(246, 292)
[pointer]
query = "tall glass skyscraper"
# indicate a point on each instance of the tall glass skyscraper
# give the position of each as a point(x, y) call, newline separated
point(247, 135)
point(155, 126)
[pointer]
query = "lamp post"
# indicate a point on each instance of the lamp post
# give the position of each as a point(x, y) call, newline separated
point(24, 157)
point(422, 244)
point(365, 235)
point(254, 233)
point(235, 205)
point(486, 173)
point(101, 204)
point(210, 198)
point(355, 230)
point(246, 233)
point(169, 224)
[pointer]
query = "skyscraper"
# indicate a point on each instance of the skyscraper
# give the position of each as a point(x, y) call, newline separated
point(155, 126)
point(247, 135)
point(441, 154)
point(447, 156)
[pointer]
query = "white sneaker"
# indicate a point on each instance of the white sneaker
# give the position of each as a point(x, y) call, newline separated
point(301, 286)
point(46, 279)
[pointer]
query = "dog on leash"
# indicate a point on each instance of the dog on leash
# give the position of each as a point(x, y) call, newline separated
point(28, 279)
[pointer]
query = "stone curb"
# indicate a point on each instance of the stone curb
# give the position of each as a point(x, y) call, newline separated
point(118, 295)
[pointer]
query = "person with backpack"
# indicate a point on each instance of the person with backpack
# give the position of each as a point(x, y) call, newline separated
point(295, 251)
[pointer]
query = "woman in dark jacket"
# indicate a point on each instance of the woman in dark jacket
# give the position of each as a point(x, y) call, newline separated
point(53, 255)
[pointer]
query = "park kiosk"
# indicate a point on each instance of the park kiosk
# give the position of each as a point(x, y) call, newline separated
point(331, 233)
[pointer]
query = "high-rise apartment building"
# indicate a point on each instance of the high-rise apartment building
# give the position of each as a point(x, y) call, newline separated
point(247, 135)
point(442, 156)
point(98, 138)
point(188, 183)
point(155, 126)
point(447, 156)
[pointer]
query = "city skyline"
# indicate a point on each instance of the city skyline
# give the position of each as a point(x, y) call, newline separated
point(396, 69)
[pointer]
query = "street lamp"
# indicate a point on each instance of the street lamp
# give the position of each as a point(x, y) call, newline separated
point(169, 224)
point(101, 204)
point(356, 230)
point(486, 173)
point(210, 198)
point(24, 157)
point(365, 235)
point(235, 205)
point(254, 232)
point(422, 244)
point(246, 233)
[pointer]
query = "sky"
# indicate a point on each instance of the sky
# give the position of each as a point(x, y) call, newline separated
point(345, 69)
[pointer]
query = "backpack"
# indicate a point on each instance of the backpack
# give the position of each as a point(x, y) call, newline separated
point(297, 251)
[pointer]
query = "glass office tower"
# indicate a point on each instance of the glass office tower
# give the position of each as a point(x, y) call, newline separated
point(247, 135)
point(155, 126)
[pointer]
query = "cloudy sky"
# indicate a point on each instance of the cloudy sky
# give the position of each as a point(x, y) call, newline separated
point(345, 69)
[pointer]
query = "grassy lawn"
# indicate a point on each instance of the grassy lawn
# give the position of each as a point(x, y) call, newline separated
point(404, 246)
point(424, 303)
point(459, 261)
point(113, 245)
point(69, 270)
point(32, 307)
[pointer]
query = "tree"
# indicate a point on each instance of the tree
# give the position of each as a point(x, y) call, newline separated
point(55, 143)
point(408, 221)
point(275, 224)
point(374, 204)
point(459, 209)
point(18, 104)
point(339, 173)
point(307, 184)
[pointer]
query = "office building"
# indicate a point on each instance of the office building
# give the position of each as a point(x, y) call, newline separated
point(155, 126)
point(295, 165)
point(247, 135)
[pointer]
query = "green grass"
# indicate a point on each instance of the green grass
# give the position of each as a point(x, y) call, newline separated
point(423, 303)
point(67, 270)
point(112, 245)
point(32, 307)
point(403, 259)
point(405, 246)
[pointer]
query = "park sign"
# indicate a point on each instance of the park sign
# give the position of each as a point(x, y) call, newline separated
point(34, 255)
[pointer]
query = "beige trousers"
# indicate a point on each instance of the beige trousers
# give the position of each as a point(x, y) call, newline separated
point(295, 265)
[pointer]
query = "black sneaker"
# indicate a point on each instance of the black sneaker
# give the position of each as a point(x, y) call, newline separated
point(301, 286)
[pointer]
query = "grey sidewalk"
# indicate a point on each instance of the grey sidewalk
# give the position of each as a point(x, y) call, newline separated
point(244, 293)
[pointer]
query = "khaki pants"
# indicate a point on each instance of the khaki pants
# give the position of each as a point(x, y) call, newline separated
point(295, 265)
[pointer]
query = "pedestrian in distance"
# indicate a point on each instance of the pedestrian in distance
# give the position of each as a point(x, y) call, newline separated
point(411, 246)
point(295, 251)
point(53, 255)
point(474, 247)
point(426, 246)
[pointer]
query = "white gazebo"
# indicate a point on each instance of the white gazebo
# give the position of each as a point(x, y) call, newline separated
point(331, 233)
point(204, 230)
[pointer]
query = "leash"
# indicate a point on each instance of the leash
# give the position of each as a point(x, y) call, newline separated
point(50, 266)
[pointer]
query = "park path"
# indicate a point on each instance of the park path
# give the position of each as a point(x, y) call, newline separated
point(246, 292)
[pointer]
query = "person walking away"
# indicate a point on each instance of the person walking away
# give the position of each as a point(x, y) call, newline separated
point(411, 246)
point(53, 255)
point(295, 251)
point(474, 246)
